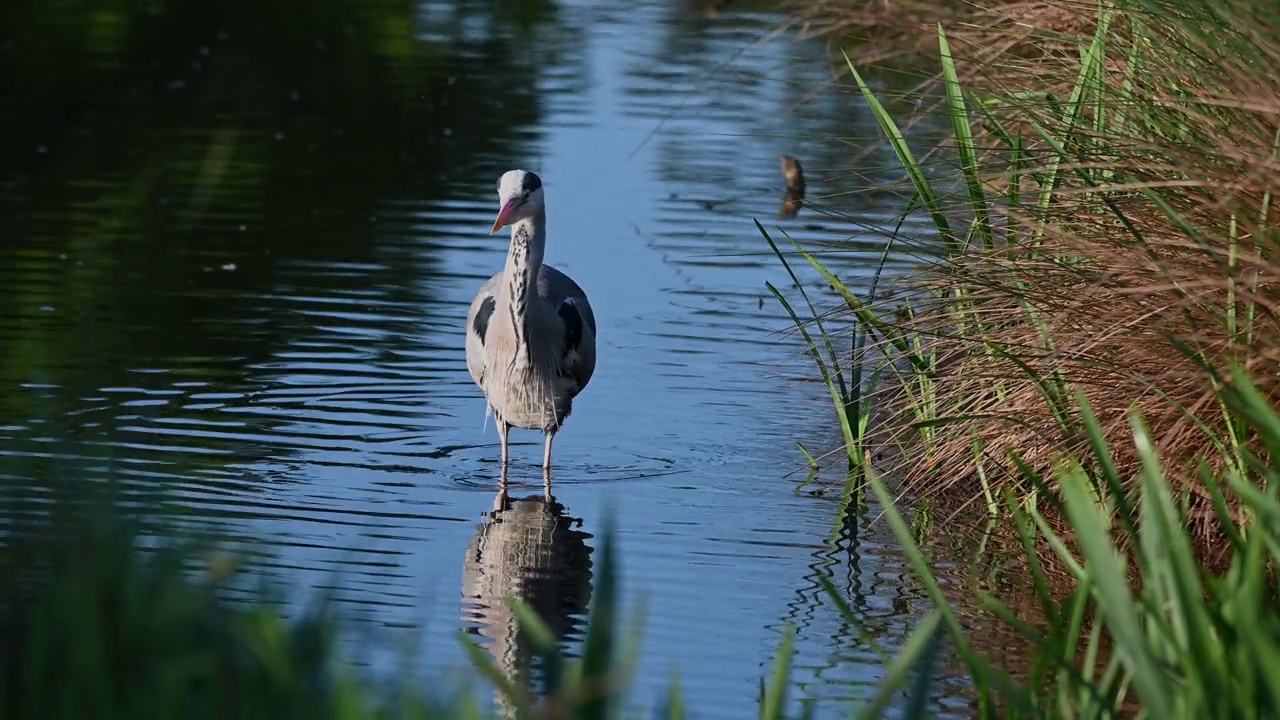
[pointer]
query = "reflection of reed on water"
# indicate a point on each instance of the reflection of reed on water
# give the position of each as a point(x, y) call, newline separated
point(529, 549)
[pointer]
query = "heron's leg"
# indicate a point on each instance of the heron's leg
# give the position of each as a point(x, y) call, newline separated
point(546, 454)
point(503, 427)
point(546, 464)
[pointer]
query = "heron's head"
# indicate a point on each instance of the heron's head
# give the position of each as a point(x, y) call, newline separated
point(519, 197)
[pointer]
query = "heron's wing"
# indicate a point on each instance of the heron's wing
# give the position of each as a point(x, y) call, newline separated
point(578, 358)
point(478, 316)
point(480, 320)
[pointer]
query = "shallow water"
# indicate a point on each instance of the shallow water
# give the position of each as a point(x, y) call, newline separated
point(239, 252)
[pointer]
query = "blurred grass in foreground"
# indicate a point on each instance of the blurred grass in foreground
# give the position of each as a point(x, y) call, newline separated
point(94, 623)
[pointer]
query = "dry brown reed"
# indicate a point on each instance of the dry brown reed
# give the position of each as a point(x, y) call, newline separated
point(1150, 267)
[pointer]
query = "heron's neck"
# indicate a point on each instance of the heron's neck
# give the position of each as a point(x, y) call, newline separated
point(528, 241)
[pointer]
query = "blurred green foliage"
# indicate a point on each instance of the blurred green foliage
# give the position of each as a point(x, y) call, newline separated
point(93, 626)
point(93, 623)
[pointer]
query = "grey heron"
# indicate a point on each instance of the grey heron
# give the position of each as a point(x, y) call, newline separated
point(531, 334)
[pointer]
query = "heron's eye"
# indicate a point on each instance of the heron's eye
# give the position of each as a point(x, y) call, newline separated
point(524, 197)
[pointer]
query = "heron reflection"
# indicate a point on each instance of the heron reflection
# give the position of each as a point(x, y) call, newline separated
point(527, 548)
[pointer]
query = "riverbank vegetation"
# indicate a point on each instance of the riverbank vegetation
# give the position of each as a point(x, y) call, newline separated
point(1087, 352)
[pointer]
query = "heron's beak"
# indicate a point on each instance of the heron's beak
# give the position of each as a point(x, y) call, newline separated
point(504, 215)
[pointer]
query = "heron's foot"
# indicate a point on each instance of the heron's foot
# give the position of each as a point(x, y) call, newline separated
point(500, 500)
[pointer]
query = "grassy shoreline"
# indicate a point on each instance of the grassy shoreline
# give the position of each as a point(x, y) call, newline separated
point(1114, 240)
point(1090, 360)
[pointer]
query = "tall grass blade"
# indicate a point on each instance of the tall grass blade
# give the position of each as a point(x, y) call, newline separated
point(775, 696)
point(597, 679)
point(906, 157)
point(1115, 601)
point(964, 139)
point(918, 654)
point(987, 678)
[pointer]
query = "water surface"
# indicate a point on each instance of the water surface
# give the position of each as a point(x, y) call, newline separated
point(239, 249)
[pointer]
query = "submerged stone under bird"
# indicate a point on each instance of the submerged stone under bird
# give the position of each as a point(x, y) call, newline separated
point(531, 334)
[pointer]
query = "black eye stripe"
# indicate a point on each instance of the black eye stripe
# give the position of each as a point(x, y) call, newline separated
point(530, 183)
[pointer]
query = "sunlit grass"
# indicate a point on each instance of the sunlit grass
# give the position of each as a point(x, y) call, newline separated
point(1091, 355)
point(1179, 642)
point(1115, 270)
